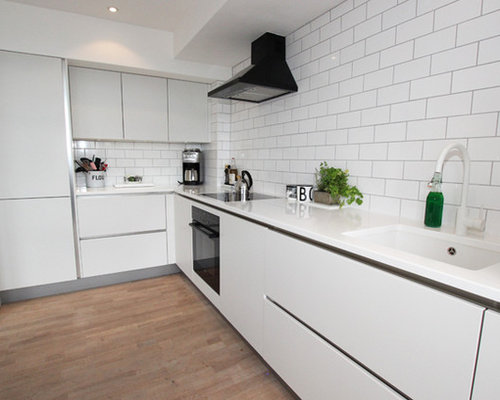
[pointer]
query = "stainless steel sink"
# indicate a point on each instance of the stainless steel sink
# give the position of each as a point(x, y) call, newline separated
point(456, 250)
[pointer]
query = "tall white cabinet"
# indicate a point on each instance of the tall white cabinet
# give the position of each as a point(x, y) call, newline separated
point(36, 234)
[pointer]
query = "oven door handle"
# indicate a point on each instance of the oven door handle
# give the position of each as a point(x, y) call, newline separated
point(204, 229)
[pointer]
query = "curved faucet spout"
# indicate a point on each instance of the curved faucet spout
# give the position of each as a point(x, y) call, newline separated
point(462, 220)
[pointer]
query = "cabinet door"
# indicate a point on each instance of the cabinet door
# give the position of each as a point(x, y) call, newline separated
point(312, 367)
point(242, 276)
point(33, 155)
point(183, 235)
point(188, 112)
point(145, 108)
point(487, 384)
point(421, 340)
point(96, 104)
point(111, 215)
point(36, 242)
point(123, 253)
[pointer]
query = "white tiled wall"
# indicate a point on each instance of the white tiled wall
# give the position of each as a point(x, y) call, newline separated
point(384, 85)
point(159, 163)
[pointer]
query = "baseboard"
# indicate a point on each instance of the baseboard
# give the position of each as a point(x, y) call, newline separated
point(13, 295)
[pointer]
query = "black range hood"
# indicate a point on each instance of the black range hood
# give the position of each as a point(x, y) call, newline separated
point(267, 78)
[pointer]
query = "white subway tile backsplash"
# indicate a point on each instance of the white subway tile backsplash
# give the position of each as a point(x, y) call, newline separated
point(378, 6)
point(380, 41)
point(486, 149)
point(454, 59)
point(396, 54)
point(384, 85)
point(431, 86)
point(408, 111)
point(366, 64)
point(490, 5)
point(486, 100)
point(376, 115)
point(478, 125)
point(414, 28)
point(480, 28)
point(401, 13)
point(427, 129)
point(353, 17)
point(377, 79)
point(424, 6)
point(457, 12)
point(480, 77)
point(412, 70)
point(388, 169)
point(390, 132)
point(455, 104)
point(489, 50)
point(368, 28)
point(405, 151)
point(435, 42)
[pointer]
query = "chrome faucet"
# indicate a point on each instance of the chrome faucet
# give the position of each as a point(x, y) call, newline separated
point(463, 221)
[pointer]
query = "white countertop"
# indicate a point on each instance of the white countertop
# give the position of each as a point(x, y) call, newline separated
point(111, 190)
point(328, 227)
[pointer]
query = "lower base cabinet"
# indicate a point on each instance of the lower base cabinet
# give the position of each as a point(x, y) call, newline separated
point(123, 253)
point(487, 384)
point(312, 367)
point(36, 242)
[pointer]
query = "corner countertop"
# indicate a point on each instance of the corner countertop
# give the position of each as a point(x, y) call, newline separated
point(328, 227)
point(111, 190)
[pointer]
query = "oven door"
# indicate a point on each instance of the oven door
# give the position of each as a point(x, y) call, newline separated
point(206, 259)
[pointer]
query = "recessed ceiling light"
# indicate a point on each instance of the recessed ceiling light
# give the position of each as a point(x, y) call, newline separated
point(112, 9)
point(333, 57)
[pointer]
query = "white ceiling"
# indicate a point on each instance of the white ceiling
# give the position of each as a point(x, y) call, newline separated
point(217, 32)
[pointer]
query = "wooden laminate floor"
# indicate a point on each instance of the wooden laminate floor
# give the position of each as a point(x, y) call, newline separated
point(152, 339)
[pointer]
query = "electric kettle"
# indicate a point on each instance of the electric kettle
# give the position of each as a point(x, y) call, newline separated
point(243, 185)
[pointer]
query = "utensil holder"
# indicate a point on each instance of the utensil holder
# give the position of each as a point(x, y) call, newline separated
point(95, 179)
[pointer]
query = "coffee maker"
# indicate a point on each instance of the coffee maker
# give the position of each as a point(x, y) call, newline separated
point(192, 167)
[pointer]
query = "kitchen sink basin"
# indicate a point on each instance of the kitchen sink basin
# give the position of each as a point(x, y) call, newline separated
point(460, 251)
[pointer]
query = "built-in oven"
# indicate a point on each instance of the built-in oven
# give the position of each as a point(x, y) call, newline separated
point(206, 259)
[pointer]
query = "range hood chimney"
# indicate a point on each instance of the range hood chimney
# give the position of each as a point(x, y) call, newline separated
point(267, 78)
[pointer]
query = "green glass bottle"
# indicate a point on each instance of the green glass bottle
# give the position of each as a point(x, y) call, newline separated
point(434, 203)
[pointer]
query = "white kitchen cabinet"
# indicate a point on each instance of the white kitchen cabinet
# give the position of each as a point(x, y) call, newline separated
point(36, 242)
point(123, 253)
point(122, 233)
point(96, 104)
point(114, 215)
point(33, 156)
point(312, 367)
point(486, 383)
point(188, 112)
point(145, 108)
point(242, 276)
point(183, 235)
point(422, 341)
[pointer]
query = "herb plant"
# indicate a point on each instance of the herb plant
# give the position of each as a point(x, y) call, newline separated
point(335, 181)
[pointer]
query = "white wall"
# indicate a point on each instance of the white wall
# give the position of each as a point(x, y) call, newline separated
point(408, 77)
point(92, 40)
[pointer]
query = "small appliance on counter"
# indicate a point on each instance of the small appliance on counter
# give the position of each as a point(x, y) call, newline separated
point(192, 167)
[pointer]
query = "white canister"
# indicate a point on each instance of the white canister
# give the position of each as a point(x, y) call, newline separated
point(95, 179)
point(304, 193)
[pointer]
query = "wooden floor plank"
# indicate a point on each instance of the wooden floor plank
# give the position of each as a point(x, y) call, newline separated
point(152, 339)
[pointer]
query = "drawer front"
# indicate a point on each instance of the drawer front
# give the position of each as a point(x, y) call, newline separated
point(403, 331)
point(123, 253)
point(111, 215)
point(312, 367)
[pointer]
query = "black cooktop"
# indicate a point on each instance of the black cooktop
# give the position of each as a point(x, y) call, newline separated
point(231, 196)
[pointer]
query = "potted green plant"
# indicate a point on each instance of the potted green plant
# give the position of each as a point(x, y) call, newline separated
point(334, 188)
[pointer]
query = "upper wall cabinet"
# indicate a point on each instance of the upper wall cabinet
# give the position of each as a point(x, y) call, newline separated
point(145, 108)
point(96, 104)
point(188, 111)
point(107, 105)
